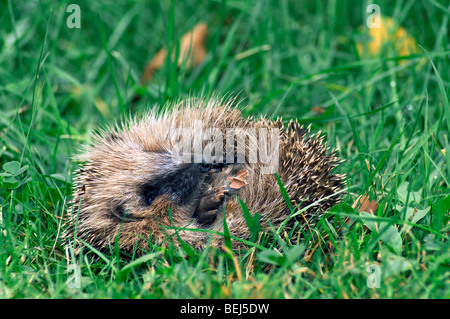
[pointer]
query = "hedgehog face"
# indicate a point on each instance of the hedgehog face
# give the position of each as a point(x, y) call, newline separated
point(189, 190)
point(128, 189)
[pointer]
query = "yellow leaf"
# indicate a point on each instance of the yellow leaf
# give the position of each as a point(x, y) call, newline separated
point(389, 34)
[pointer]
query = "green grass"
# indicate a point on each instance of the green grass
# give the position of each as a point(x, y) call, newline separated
point(389, 121)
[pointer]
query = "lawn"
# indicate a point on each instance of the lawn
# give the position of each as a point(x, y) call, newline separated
point(387, 113)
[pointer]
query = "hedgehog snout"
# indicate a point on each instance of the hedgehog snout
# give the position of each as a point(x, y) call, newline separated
point(213, 167)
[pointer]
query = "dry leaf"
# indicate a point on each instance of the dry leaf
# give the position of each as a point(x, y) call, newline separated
point(154, 65)
point(317, 110)
point(366, 206)
point(192, 50)
point(239, 180)
point(192, 46)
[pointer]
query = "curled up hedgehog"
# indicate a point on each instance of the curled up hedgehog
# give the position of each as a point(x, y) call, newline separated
point(168, 173)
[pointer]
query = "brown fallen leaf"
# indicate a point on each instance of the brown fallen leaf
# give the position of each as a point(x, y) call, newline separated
point(192, 50)
point(192, 46)
point(239, 180)
point(317, 110)
point(365, 205)
point(154, 65)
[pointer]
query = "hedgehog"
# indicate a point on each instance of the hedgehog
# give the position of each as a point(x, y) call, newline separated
point(169, 175)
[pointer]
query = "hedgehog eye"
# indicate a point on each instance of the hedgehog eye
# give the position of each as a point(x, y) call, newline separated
point(150, 195)
point(205, 167)
point(149, 198)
